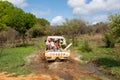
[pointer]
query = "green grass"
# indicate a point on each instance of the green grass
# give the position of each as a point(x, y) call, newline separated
point(108, 59)
point(13, 59)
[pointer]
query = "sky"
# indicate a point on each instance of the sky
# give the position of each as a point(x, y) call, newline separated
point(57, 11)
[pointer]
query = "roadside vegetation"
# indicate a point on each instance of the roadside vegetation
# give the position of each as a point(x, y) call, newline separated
point(13, 59)
point(95, 51)
point(22, 33)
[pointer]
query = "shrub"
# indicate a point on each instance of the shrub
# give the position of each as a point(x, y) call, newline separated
point(109, 40)
point(8, 37)
point(2, 26)
point(86, 46)
point(36, 32)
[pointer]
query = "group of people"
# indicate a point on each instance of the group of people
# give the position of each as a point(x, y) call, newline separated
point(54, 44)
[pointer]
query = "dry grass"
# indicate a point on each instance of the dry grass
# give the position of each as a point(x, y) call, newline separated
point(93, 39)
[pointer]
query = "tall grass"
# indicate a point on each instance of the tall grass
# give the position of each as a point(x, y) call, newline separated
point(108, 59)
point(13, 59)
point(86, 46)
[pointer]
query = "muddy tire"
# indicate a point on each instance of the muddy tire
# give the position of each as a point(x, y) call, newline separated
point(57, 60)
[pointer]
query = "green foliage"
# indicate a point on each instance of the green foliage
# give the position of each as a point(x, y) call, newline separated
point(13, 59)
point(2, 26)
point(71, 27)
point(5, 6)
point(40, 28)
point(21, 21)
point(36, 32)
point(109, 40)
point(113, 34)
point(107, 59)
point(16, 18)
point(5, 9)
point(115, 24)
point(86, 46)
point(43, 22)
point(29, 20)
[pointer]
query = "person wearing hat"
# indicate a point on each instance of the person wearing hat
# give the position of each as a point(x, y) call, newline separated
point(62, 45)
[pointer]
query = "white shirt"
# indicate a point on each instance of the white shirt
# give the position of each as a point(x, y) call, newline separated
point(47, 43)
point(52, 44)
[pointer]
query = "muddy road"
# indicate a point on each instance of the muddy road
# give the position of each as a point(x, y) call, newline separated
point(64, 70)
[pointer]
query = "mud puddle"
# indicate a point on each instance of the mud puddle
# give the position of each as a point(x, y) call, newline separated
point(66, 70)
point(63, 70)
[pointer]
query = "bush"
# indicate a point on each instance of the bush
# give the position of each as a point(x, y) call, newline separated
point(86, 46)
point(2, 26)
point(109, 40)
point(118, 40)
point(36, 32)
point(8, 37)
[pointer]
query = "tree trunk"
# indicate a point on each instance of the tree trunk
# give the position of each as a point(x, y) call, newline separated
point(73, 40)
point(76, 42)
point(1, 48)
point(23, 39)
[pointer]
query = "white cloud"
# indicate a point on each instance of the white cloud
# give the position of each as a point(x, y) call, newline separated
point(58, 20)
point(93, 23)
point(18, 3)
point(40, 13)
point(81, 7)
point(99, 18)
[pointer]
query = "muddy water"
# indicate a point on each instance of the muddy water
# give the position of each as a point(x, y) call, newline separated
point(52, 68)
point(66, 70)
point(93, 68)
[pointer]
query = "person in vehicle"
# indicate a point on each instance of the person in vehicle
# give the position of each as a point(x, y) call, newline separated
point(61, 44)
point(52, 43)
point(47, 44)
point(56, 45)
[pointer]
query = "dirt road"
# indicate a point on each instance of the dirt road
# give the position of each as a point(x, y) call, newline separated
point(64, 70)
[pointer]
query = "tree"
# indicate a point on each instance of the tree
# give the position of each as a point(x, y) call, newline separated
point(115, 24)
point(36, 31)
point(2, 26)
point(72, 28)
point(42, 25)
point(42, 22)
point(21, 21)
point(5, 9)
point(113, 34)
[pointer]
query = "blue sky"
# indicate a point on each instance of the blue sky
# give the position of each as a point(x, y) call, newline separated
point(56, 11)
point(49, 9)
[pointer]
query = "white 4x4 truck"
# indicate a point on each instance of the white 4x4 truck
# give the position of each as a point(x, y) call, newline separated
point(60, 53)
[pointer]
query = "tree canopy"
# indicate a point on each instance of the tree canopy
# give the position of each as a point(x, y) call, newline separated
point(115, 24)
point(15, 18)
point(5, 10)
point(42, 22)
